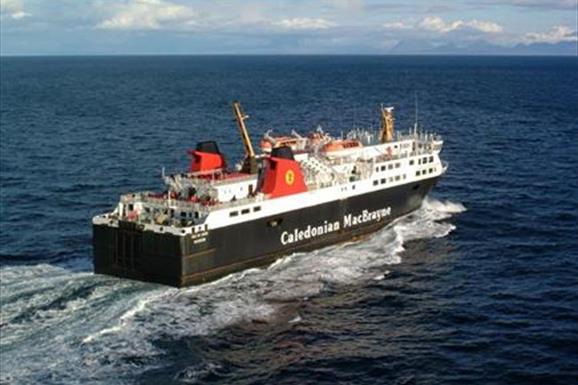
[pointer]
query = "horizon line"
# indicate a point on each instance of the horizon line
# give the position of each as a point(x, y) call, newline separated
point(288, 54)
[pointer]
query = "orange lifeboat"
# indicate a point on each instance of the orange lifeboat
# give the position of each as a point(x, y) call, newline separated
point(269, 143)
point(341, 144)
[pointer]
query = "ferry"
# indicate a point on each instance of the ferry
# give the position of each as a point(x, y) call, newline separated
point(299, 193)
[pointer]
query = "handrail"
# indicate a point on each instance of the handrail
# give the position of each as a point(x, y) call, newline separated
point(427, 144)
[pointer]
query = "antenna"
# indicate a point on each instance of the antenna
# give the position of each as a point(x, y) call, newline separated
point(416, 112)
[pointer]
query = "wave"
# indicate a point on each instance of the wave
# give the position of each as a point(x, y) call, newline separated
point(80, 325)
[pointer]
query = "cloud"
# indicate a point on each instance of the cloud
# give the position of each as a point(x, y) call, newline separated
point(13, 9)
point(397, 25)
point(304, 23)
point(150, 14)
point(534, 4)
point(555, 35)
point(437, 24)
point(347, 5)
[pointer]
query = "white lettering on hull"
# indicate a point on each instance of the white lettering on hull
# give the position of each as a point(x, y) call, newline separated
point(349, 220)
point(309, 232)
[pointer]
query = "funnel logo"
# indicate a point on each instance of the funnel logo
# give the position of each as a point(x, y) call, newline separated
point(290, 177)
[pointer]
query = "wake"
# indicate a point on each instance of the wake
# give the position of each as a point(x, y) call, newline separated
point(77, 324)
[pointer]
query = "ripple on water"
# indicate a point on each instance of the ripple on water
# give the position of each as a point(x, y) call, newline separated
point(106, 322)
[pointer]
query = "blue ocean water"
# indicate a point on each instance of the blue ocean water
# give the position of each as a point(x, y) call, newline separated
point(480, 286)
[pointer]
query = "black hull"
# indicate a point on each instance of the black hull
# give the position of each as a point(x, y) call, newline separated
point(129, 252)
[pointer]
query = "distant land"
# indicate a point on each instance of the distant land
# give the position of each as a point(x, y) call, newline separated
point(404, 47)
point(420, 47)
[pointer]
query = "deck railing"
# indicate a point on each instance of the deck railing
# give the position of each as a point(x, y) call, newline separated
point(424, 145)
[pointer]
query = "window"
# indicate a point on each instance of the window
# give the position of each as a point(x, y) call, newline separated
point(382, 168)
point(353, 187)
point(390, 179)
point(430, 170)
point(431, 158)
point(233, 213)
point(390, 166)
point(245, 211)
point(256, 208)
point(417, 173)
point(183, 214)
point(375, 182)
point(377, 169)
point(397, 165)
point(419, 161)
point(383, 180)
point(397, 177)
point(411, 162)
point(404, 176)
point(424, 160)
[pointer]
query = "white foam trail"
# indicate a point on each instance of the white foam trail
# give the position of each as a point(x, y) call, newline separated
point(443, 206)
point(380, 277)
point(296, 319)
point(85, 337)
point(125, 317)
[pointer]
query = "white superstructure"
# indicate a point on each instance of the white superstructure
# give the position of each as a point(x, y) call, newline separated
point(197, 201)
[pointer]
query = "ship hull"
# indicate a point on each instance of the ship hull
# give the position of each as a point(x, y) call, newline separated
point(129, 252)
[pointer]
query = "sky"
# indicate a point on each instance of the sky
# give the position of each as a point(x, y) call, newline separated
point(102, 27)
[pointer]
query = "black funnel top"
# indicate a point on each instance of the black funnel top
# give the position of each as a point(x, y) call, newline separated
point(209, 146)
point(284, 152)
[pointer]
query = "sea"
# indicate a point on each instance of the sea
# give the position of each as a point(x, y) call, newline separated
point(478, 286)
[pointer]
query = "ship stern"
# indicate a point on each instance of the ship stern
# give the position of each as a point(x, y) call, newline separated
point(127, 251)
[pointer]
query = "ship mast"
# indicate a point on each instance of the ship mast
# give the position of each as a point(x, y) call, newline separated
point(387, 124)
point(250, 162)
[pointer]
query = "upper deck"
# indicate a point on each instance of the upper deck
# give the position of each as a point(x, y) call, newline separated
point(192, 196)
point(294, 166)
